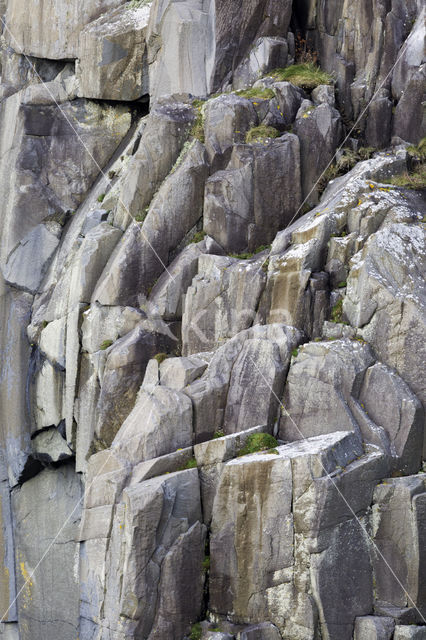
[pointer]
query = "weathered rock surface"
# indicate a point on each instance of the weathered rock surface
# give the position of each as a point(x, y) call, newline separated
point(112, 58)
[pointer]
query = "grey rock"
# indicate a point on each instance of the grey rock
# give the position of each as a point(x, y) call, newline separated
point(102, 325)
point(390, 403)
point(409, 633)
point(159, 466)
point(49, 446)
point(148, 248)
point(324, 94)
point(262, 631)
point(177, 373)
point(409, 120)
point(227, 119)
point(379, 123)
point(166, 130)
point(289, 99)
point(388, 309)
point(32, 35)
point(27, 265)
point(399, 534)
point(320, 128)
point(44, 183)
point(220, 302)
point(246, 204)
point(223, 448)
point(374, 628)
point(167, 293)
point(112, 61)
point(266, 54)
point(336, 370)
point(123, 374)
point(49, 504)
point(166, 425)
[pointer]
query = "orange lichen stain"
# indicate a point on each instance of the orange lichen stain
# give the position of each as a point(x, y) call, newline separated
point(359, 202)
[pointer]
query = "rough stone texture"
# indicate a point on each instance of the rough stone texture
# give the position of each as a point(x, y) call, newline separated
point(43, 170)
point(147, 248)
point(162, 139)
point(220, 302)
point(226, 120)
point(374, 628)
point(49, 504)
point(150, 580)
point(258, 193)
point(409, 633)
point(267, 53)
point(262, 631)
point(386, 299)
point(317, 128)
point(32, 34)
point(399, 512)
point(112, 58)
point(205, 44)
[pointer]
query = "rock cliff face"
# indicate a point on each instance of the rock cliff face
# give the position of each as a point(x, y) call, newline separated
point(212, 400)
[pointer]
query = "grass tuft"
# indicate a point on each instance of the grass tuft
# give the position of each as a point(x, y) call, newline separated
point(256, 93)
point(258, 442)
point(105, 344)
point(306, 75)
point(261, 133)
point(160, 357)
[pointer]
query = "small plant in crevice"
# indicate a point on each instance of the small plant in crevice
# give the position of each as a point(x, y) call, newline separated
point(258, 442)
point(306, 75)
point(140, 217)
point(262, 133)
point(106, 344)
point(337, 312)
point(347, 160)
point(256, 93)
point(415, 177)
point(101, 197)
point(160, 357)
point(196, 632)
point(248, 255)
point(219, 433)
point(198, 237)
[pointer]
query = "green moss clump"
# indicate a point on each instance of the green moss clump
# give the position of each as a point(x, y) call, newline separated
point(306, 75)
point(345, 163)
point(101, 197)
point(256, 93)
point(140, 217)
point(295, 352)
point(105, 344)
point(258, 442)
point(341, 285)
point(337, 312)
point(247, 255)
point(197, 130)
point(410, 180)
point(218, 434)
point(206, 564)
point(200, 235)
point(261, 133)
point(196, 631)
point(160, 357)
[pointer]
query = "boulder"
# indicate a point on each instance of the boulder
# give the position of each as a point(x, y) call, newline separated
point(220, 302)
point(226, 120)
point(159, 423)
point(374, 628)
point(411, 632)
point(266, 54)
point(112, 58)
point(258, 193)
point(317, 128)
point(30, 33)
point(399, 512)
point(409, 120)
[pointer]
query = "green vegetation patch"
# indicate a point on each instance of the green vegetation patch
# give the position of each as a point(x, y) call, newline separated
point(196, 631)
point(160, 357)
point(258, 442)
point(256, 93)
point(200, 235)
point(247, 255)
point(306, 75)
point(415, 178)
point(101, 197)
point(261, 133)
point(337, 312)
point(347, 160)
point(105, 344)
point(197, 130)
point(218, 434)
